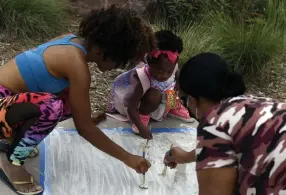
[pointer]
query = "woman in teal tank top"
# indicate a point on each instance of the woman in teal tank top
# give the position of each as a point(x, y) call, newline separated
point(50, 83)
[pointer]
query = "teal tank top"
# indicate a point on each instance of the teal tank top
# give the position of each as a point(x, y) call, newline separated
point(33, 69)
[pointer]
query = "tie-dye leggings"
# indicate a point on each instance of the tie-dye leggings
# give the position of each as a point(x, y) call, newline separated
point(27, 118)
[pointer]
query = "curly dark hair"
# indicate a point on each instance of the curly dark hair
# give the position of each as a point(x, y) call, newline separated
point(167, 40)
point(120, 32)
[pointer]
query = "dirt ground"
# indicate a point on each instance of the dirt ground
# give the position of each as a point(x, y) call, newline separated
point(272, 82)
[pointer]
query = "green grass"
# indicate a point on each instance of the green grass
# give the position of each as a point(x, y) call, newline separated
point(250, 45)
point(174, 11)
point(196, 38)
point(29, 18)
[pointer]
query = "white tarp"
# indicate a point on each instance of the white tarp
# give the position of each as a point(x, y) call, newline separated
point(73, 166)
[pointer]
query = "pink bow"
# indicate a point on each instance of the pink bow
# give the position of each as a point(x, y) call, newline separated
point(172, 56)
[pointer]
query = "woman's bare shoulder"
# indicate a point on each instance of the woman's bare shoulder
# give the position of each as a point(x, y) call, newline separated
point(61, 60)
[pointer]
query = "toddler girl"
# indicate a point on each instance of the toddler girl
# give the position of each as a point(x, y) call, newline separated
point(149, 90)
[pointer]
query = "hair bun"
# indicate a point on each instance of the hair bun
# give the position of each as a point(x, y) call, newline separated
point(235, 85)
point(167, 40)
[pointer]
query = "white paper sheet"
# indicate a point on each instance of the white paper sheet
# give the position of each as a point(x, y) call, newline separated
point(75, 167)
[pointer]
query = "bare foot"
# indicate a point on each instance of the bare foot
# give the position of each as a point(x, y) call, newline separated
point(20, 178)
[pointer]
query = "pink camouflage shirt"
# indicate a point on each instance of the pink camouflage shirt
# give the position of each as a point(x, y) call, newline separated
point(247, 133)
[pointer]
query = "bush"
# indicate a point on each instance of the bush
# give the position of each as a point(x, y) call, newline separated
point(249, 42)
point(172, 11)
point(175, 11)
point(196, 38)
point(28, 18)
point(249, 45)
point(237, 9)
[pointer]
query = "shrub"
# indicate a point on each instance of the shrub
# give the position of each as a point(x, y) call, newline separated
point(196, 38)
point(28, 18)
point(250, 45)
point(248, 42)
point(172, 11)
point(238, 9)
point(176, 10)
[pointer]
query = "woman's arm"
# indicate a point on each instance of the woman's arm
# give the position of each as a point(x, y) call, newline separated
point(78, 75)
point(179, 156)
point(216, 164)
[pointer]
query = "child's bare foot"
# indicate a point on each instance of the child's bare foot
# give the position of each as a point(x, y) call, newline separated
point(22, 181)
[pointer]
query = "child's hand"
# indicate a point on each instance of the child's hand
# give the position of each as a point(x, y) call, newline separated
point(145, 133)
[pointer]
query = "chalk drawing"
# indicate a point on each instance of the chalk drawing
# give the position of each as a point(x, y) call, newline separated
point(74, 167)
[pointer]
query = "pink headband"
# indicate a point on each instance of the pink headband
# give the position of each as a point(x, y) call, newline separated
point(172, 56)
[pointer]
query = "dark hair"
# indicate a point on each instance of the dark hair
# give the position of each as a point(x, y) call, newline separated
point(119, 32)
point(207, 75)
point(167, 40)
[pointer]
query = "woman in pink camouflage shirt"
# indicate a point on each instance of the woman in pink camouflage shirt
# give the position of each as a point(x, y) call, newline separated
point(241, 139)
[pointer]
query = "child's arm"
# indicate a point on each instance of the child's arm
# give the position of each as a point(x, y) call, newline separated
point(133, 99)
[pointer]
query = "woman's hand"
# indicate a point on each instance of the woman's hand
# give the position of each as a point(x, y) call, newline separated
point(79, 77)
point(178, 156)
point(138, 163)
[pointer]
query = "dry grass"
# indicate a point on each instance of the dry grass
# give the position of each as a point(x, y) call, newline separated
point(100, 86)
